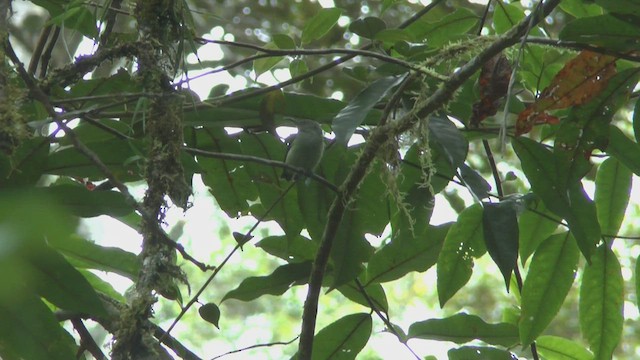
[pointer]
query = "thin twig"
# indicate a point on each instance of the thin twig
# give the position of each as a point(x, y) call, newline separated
point(86, 340)
point(243, 241)
point(385, 319)
point(255, 347)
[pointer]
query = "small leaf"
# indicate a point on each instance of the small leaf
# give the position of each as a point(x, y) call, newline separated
point(375, 294)
point(342, 339)
point(479, 353)
point(462, 328)
point(320, 24)
point(367, 27)
point(500, 228)
point(265, 64)
point(210, 312)
point(557, 348)
point(277, 283)
point(298, 67)
point(296, 249)
point(601, 303)
point(613, 189)
point(351, 116)
point(241, 238)
point(445, 29)
point(283, 41)
point(550, 275)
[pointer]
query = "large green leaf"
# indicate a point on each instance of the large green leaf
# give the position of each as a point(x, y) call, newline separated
point(624, 149)
point(374, 293)
point(557, 348)
point(620, 35)
point(567, 200)
point(84, 203)
point(60, 283)
point(277, 283)
point(350, 249)
point(124, 158)
point(296, 249)
point(446, 29)
point(342, 339)
point(479, 353)
point(463, 242)
point(601, 303)
point(367, 27)
point(462, 328)
point(86, 254)
point(320, 24)
point(548, 281)
point(450, 139)
point(536, 224)
point(398, 258)
point(26, 164)
point(613, 187)
point(351, 116)
point(29, 331)
point(500, 229)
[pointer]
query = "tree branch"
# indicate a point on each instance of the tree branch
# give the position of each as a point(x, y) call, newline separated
point(378, 138)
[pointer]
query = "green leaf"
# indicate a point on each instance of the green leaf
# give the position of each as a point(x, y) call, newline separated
point(474, 182)
point(621, 6)
point(463, 242)
point(392, 36)
point(210, 312)
point(29, 330)
point(620, 35)
point(550, 275)
point(102, 286)
point(350, 248)
point(500, 229)
point(320, 24)
point(479, 353)
point(367, 27)
point(298, 67)
point(375, 294)
point(539, 165)
point(277, 283)
point(283, 41)
point(342, 339)
point(78, 18)
point(601, 303)
point(351, 116)
point(535, 226)
point(124, 158)
point(86, 254)
point(624, 149)
point(265, 64)
point(462, 328)
point(557, 348)
point(613, 189)
point(450, 139)
point(26, 164)
point(580, 8)
point(398, 258)
point(507, 16)
point(61, 284)
point(445, 30)
point(636, 121)
point(84, 203)
point(296, 249)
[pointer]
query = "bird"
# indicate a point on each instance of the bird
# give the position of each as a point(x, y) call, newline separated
point(306, 149)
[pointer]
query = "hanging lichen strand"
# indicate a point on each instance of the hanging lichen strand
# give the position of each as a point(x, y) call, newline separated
point(158, 23)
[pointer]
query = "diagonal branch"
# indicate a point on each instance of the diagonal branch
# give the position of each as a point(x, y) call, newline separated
point(378, 138)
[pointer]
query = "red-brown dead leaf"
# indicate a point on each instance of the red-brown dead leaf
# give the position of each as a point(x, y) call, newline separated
point(493, 83)
point(579, 81)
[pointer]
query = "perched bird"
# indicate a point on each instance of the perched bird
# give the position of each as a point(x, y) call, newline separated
point(306, 150)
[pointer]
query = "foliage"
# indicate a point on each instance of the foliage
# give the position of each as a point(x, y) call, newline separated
point(414, 110)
